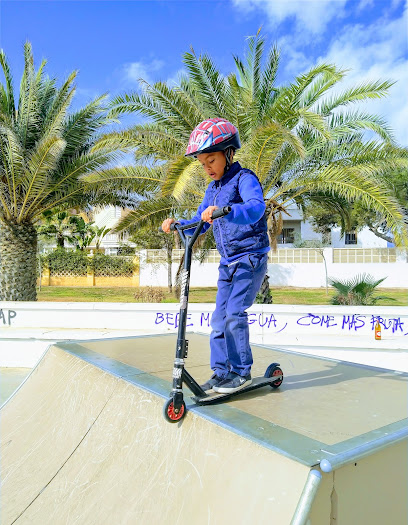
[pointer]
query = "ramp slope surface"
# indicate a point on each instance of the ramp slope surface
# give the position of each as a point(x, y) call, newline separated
point(80, 445)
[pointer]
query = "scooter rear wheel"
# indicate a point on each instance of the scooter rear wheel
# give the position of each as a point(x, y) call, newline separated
point(170, 414)
point(274, 370)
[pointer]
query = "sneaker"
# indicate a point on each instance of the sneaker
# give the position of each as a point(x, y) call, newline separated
point(213, 381)
point(233, 383)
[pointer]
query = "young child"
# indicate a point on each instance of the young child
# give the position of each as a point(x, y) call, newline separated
point(243, 243)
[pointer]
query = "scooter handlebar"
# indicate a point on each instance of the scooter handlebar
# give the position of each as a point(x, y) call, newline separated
point(220, 212)
point(172, 227)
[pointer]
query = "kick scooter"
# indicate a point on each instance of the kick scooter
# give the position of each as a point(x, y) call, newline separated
point(175, 408)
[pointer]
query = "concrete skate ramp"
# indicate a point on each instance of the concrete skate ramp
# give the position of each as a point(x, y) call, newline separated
point(84, 440)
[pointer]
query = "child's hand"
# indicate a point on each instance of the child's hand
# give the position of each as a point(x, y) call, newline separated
point(207, 214)
point(166, 225)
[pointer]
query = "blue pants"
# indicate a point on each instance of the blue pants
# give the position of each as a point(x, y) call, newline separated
point(238, 285)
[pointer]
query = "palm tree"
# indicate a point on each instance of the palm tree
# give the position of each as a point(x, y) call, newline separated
point(302, 139)
point(44, 151)
point(83, 233)
point(55, 226)
point(100, 233)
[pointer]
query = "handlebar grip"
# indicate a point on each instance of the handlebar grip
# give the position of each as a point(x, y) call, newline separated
point(221, 212)
point(172, 227)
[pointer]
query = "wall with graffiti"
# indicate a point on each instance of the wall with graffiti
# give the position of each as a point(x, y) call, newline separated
point(270, 324)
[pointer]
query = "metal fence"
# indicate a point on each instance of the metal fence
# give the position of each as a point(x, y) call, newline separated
point(295, 255)
point(364, 255)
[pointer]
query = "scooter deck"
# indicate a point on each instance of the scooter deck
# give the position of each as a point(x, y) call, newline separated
point(215, 397)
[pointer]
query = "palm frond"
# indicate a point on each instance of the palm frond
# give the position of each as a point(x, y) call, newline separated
point(267, 87)
point(28, 117)
point(147, 213)
point(259, 153)
point(177, 172)
point(364, 91)
point(12, 165)
point(114, 141)
point(360, 182)
point(54, 120)
point(152, 141)
point(141, 180)
point(237, 106)
point(290, 97)
point(136, 103)
point(79, 128)
point(345, 123)
point(7, 104)
point(320, 86)
point(173, 104)
point(181, 179)
point(40, 163)
point(315, 122)
point(210, 85)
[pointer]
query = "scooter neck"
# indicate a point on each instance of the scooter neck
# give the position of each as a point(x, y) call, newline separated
point(188, 241)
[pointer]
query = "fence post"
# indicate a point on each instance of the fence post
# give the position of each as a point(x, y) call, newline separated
point(90, 271)
point(136, 272)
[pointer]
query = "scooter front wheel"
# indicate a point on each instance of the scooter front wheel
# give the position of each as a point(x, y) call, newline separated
point(170, 413)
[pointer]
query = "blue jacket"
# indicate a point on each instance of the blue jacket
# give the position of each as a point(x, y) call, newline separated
point(244, 230)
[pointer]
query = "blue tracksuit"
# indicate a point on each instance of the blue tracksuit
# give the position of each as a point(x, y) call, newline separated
point(242, 240)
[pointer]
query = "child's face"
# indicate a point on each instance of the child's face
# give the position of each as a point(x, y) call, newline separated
point(213, 163)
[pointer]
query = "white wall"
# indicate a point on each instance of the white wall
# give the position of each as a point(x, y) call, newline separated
point(275, 323)
point(310, 275)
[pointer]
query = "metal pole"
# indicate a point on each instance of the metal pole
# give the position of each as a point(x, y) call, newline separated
point(306, 499)
point(327, 465)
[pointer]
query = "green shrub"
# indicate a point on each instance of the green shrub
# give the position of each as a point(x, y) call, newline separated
point(357, 291)
point(111, 266)
point(76, 264)
point(62, 262)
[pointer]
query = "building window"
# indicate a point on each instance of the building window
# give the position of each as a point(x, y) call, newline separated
point(351, 237)
point(287, 236)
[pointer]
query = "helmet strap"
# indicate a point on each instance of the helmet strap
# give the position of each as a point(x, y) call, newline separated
point(228, 157)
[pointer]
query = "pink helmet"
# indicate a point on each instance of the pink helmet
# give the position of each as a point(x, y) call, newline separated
point(213, 134)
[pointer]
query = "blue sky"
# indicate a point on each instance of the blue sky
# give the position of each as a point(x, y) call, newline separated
point(113, 43)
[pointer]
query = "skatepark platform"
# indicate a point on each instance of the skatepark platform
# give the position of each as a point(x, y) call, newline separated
point(83, 441)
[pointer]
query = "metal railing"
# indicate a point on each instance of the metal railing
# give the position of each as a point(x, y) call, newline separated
point(364, 255)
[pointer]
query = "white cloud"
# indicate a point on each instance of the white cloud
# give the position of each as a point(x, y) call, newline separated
point(311, 16)
point(371, 52)
point(133, 71)
point(377, 52)
point(294, 58)
point(365, 3)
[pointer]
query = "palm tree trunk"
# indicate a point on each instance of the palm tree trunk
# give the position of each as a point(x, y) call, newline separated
point(60, 240)
point(18, 267)
point(264, 295)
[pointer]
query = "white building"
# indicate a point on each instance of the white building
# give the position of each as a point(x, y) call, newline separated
point(108, 217)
